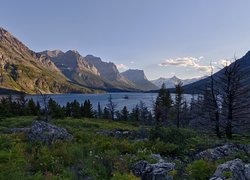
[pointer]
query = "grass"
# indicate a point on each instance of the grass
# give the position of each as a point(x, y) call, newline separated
point(91, 154)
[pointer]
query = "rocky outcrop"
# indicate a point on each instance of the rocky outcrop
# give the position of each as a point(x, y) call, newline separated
point(45, 132)
point(234, 170)
point(22, 69)
point(157, 171)
point(139, 79)
point(222, 151)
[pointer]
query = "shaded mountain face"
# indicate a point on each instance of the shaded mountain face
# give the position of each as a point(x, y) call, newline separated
point(171, 82)
point(88, 71)
point(21, 69)
point(200, 85)
point(139, 79)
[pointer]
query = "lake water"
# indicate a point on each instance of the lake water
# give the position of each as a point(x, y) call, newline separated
point(131, 101)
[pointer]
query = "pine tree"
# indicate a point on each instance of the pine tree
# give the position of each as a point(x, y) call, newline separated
point(124, 113)
point(31, 107)
point(76, 109)
point(162, 105)
point(178, 103)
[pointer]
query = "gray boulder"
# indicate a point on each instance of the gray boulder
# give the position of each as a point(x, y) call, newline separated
point(234, 170)
point(45, 132)
point(222, 151)
point(157, 171)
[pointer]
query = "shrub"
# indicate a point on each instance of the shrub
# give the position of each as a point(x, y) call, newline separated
point(164, 149)
point(200, 170)
point(119, 176)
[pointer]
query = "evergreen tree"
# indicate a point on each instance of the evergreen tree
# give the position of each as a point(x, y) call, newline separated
point(162, 105)
point(75, 109)
point(106, 114)
point(124, 113)
point(99, 110)
point(87, 109)
point(68, 111)
point(135, 114)
point(31, 107)
point(178, 103)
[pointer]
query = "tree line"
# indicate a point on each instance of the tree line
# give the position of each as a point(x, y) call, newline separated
point(222, 107)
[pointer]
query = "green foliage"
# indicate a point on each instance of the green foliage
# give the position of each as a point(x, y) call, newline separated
point(163, 148)
point(119, 176)
point(227, 174)
point(200, 170)
point(97, 156)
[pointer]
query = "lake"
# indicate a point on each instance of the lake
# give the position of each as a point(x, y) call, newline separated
point(120, 98)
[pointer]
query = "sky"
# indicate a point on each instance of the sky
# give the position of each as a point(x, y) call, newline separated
point(162, 37)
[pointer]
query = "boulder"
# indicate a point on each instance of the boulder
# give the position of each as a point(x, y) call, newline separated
point(45, 132)
point(222, 152)
point(234, 170)
point(157, 171)
point(119, 133)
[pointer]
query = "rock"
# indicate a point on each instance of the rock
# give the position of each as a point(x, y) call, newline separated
point(221, 152)
point(157, 171)
point(119, 133)
point(157, 157)
point(235, 170)
point(247, 171)
point(45, 132)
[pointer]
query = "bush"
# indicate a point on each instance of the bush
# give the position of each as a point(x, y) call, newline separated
point(200, 170)
point(119, 176)
point(164, 149)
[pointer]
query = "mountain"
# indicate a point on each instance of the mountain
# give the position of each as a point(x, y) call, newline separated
point(110, 73)
point(139, 79)
point(89, 71)
point(171, 82)
point(21, 69)
point(244, 63)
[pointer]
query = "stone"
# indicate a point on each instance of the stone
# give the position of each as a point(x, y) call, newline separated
point(118, 133)
point(157, 171)
point(157, 157)
point(46, 132)
point(221, 152)
point(234, 170)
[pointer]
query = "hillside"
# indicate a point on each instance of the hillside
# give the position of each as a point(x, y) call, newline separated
point(244, 63)
point(24, 70)
point(104, 149)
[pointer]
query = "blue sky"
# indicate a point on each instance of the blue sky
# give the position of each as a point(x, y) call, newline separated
point(163, 37)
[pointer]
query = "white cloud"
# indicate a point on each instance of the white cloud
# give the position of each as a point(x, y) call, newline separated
point(186, 62)
point(224, 62)
point(132, 62)
point(121, 67)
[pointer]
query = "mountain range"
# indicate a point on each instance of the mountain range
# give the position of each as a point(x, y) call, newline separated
point(171, 82)
point(23, 70)
point(60, 72)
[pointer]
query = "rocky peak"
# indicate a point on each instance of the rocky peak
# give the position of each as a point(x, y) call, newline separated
point(8, 39)
point(108, 70)
point(135, 74)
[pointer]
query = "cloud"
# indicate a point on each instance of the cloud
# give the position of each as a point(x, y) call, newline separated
point(121, 67)
point(186, 62)
point(224, 62)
